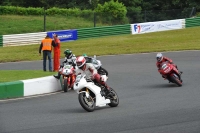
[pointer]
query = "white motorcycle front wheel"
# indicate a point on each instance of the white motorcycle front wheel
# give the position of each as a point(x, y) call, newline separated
point(87, 103)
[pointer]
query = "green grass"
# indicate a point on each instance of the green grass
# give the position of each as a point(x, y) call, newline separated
point(185, 39)
point(13, 24)
point(15, 75)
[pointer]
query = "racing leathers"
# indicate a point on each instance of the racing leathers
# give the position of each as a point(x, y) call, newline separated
point(165, 59)
point(90, 71)
point(158, 64)
point(70, 61)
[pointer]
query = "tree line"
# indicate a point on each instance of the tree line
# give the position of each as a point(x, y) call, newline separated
point(136, 10)
point(131, 5)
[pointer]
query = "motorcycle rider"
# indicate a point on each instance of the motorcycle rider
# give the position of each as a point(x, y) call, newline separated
point(88, 59)
point(70, 59)
point(160, 59)
point(91, 72)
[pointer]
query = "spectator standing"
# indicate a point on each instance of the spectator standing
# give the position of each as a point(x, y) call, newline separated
point(56, 58)
point(46, 48)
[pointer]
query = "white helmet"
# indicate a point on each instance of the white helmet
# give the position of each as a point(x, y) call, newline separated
point(80, 61)
point(159, 57)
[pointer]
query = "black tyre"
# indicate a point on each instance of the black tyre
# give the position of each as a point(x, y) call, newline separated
point(175, 79)
point(114, 99)
point(102, 71)
point(87, 103)
point(65, 87)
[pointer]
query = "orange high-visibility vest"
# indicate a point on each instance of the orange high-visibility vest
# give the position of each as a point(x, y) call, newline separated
point(47, 44)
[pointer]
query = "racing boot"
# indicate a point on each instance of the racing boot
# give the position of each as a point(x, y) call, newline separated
point(57, 76)
point(108, 92)
point(180, 72)
point(164, 77)
point(180, 76)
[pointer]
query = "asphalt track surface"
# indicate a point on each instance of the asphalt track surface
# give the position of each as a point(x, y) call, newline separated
point(147, 103)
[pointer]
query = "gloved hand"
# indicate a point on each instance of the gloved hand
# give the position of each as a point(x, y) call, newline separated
point(164, 77)
point(74, 65)
point(103, 78)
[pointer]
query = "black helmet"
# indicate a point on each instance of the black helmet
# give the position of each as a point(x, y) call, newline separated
point(68, 53)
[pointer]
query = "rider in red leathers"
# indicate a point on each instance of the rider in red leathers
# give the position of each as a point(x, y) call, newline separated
point(90, 71)
point(160, 59)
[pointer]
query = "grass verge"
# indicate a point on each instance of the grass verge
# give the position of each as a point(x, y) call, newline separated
point(15, 75)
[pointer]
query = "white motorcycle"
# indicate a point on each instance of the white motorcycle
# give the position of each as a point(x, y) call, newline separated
point(97, 64)
point(91, 94)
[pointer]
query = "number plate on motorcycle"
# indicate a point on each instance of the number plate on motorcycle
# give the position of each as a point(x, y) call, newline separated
point(67, 67)
point(167, 70)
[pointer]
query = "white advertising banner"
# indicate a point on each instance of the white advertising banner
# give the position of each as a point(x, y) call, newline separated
point(156, 26)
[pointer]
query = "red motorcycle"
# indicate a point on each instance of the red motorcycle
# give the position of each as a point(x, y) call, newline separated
point(68, 77)
point(170, 72)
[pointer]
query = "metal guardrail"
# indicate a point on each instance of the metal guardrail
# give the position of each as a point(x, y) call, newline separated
point(23, 39)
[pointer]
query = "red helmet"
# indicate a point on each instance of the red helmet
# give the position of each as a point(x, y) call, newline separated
point(80, 61)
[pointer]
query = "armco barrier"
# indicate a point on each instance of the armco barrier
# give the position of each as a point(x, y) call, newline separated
point(1, 41)
point(103, 31)
point(29, 87)
point(192, 22)
point(23, 39)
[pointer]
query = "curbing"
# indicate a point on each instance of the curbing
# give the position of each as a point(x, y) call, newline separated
point(29, 87)
point(11, 89)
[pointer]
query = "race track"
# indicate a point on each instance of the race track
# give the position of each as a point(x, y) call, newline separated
point(147, 103)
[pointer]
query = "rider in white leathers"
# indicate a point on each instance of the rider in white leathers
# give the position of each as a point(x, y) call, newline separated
point(89, 70)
